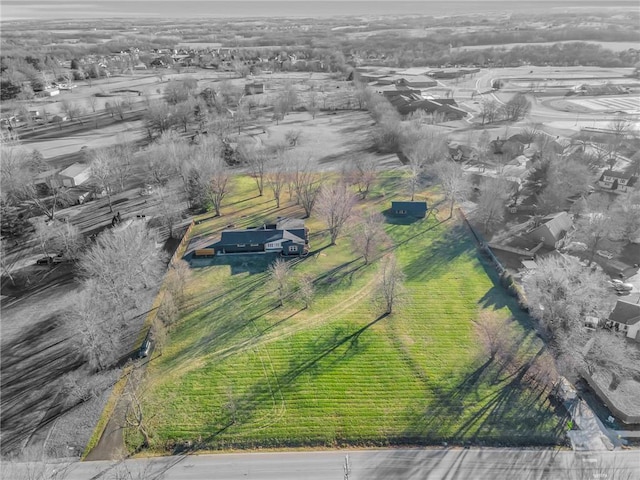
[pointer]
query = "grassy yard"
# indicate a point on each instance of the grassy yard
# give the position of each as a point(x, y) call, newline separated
point(238, 372)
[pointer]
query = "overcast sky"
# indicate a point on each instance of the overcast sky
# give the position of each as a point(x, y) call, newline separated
point(76, 9)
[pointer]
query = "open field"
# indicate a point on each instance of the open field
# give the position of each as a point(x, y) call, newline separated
point(626, 104)
point(239, 372)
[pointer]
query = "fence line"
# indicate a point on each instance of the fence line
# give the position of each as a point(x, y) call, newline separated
point(483, 245)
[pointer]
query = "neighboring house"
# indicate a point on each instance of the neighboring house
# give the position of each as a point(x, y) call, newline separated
point(625, 317)
point(512, 147)
point(288, 236)
point(59, 118)
point(551, 230)
point(620, 270)
point(75, 175)
point(253, 88)
point(44, 181)
point(409, 209)
point(617, 181)
point(461, 153)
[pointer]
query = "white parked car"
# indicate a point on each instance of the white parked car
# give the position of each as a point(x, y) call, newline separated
point(605, 254)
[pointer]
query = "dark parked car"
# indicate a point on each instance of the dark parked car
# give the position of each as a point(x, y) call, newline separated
point(50, 260)
point(145, 348)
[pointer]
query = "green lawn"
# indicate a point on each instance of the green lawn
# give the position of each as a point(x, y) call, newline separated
point(239, 372)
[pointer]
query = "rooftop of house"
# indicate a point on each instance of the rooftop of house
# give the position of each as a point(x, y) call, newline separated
point(410, 205)
point(627, 310)
point(557, 224)
point(288, 228)
point(75, 169)
point(619, 175)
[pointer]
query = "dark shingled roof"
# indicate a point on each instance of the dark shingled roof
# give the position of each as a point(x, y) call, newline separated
point(626, 311)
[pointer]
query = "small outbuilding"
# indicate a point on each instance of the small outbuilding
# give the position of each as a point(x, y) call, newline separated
point(75, 175)
point(409, 209)
point(253, 88)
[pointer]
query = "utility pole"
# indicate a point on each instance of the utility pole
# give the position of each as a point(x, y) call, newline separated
point(347, 467)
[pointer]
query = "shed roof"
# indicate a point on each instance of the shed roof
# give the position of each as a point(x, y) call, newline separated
point(410, 206)
point(74, 170)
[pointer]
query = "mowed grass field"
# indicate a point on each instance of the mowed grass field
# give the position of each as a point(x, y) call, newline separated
point(239, 372)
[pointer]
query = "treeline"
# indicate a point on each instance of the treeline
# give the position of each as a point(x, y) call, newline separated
point(396, 52)
point(549, 35)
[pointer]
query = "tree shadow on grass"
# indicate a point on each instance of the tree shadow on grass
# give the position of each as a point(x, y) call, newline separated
point(511, 414)
point(241, 263)
point(435, 259)
point(318, 357)
point(498, 297)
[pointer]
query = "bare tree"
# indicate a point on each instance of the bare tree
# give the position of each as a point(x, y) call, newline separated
point(123, 261)
point(93, 326)
point(18, 181)
point(626, 214)
point(92, 102)
point(72, 110)
point(369, 235)
point(159, 163)
point(560, 293)
point(158, 117)
point(134, 416)
point(613, 354)
point(58, 236)
point(218, 182)
point(516, 108)
point(562, 180)
point(306, 290)
point(495, 332)
point(293, 136)
point(123, 159)
point(334, 206)
point(183, 113)
point(277, 177)
point(494, 193)
point(280, 275)
point(455, 184)
point(313, 105)
point(177, 278)
point(307, 184)
point(489, 110)
point(363, 174)
point(256, 159)
point(596, 225)
point(390, 288)
point(422, 146)
point(171, 207)
point(103, 172)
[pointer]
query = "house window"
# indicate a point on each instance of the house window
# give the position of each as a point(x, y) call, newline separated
point(255, 244)
point(401, 212)
point(240, 245)
point(293, 248)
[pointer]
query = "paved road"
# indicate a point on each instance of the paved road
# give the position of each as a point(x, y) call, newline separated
point(405, 464)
